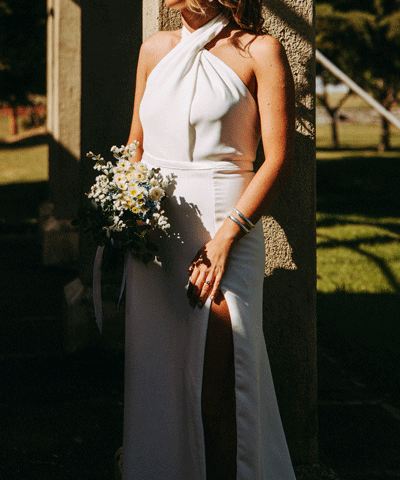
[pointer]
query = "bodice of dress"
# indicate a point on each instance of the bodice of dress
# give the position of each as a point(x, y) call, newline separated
point(195, 107)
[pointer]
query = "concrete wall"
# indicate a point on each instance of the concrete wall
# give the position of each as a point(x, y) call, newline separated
point(290, 283)
point(63, 109)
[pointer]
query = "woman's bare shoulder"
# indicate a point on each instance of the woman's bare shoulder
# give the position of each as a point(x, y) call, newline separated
point(266, 50)
point(155, 47)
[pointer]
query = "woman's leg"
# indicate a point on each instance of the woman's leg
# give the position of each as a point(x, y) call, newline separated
point(218, 395)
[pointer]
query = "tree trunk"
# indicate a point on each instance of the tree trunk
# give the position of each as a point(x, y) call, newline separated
point(384, 144)
point(334, 127)
point(387, 100)
point(14, 121)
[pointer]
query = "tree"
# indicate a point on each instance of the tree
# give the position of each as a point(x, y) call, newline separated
point(332, 110)
point(22, 51)
point(365, 43)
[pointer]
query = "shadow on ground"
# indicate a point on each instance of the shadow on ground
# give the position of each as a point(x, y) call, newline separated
point(19, 205)
point(359, 185)
point(62, 414)
point(358, 333)
point(362, 328)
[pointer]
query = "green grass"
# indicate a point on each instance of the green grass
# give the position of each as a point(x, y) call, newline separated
point(24, 164)
point(357, 253)
point(354, 101)
point(23, 184)
point(358, 222)
point(355, 153)
point(355, 136)
point(358, 263)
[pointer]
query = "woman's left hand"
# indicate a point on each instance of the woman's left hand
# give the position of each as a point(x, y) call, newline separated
point(206, 271)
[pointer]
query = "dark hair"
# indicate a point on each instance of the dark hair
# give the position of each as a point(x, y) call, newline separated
point(245, 13)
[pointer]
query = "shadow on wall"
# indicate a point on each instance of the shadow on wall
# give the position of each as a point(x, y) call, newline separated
point(64, 180)
point(291, 18)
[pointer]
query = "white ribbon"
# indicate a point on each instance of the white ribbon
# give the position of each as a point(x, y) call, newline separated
point(98, 308)
point(123, 279)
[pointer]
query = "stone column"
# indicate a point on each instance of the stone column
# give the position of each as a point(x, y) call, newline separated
point(64, 104)
point(290, 267)
point(290, 282)
point(60, 242)
point(93, 48)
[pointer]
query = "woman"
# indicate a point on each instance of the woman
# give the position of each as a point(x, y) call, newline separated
point(199, 397)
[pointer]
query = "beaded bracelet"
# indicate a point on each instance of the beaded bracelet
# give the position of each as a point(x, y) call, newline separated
point(245, 219)
point(243, 227)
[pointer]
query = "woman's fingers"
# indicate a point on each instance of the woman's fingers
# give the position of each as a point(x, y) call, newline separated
point(205, 291)
point(202, 286)
point(215, 287)
point(205, 273)
point(195, 285)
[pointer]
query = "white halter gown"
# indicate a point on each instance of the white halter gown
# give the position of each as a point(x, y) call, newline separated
point(200, 123)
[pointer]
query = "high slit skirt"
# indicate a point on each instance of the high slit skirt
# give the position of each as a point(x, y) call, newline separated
point(165, 338)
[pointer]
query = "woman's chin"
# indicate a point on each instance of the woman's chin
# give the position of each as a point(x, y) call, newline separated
point(176, 4)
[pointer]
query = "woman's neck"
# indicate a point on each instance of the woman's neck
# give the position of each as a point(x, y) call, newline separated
point(192, 21)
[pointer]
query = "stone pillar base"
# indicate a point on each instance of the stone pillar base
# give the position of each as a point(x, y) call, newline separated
point(59, 239)
point(80, 330)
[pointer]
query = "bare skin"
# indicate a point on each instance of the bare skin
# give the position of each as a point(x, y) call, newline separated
point(218, 400)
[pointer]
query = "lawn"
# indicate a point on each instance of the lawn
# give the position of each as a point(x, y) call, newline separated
point(358, 212)
point(24, 164)
point(358, 252)
point(354, 136)
point(358, 263)
point(354, 101)
point(23, 184)
point(358, 222)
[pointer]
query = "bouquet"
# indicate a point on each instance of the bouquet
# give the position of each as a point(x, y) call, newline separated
point(126, 203)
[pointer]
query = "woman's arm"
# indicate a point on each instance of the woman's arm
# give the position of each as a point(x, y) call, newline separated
point(136, 132)
point(276, 103)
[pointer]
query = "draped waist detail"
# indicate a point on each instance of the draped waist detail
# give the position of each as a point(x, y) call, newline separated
point(206, 164)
